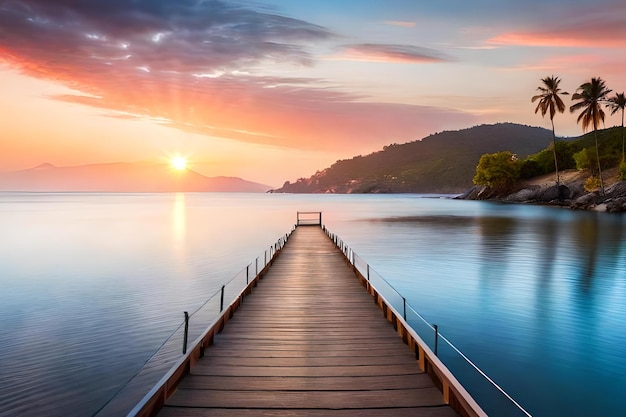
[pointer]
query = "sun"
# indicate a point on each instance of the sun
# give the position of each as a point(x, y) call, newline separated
point(179, 163)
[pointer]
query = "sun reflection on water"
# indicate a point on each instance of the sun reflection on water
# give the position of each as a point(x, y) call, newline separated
point(179, 224)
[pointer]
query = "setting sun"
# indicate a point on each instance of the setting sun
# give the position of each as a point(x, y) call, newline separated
point(179, 163)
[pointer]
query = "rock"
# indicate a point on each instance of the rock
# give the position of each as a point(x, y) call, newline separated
point(470, 194)
point(552, 194)
point(549, 194)
point(617, 205)
point(617, 190)
point(586, 201)
point(600, 207)
point(565, 193)
point(524, 195)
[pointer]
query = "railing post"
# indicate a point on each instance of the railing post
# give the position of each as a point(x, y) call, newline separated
point(186, 332)
point(247, 274)
point(265, 261)
point(256, 266)
point(404, 308)
point(436, 337)
point(368, 272)
point(222, 299)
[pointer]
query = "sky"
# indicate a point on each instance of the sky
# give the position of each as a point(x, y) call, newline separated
point(275, 90)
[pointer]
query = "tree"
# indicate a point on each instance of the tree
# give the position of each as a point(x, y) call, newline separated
point(549, 100)
point(617, 103)
point(497, 170)
point(591, 95)
point(585, 159)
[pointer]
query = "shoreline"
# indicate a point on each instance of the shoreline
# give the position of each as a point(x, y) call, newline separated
point(570, 193)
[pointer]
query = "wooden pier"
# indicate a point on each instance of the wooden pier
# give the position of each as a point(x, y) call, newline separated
point(310, 341)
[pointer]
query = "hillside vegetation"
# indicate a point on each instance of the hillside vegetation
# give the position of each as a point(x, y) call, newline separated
point(569, 154)
point(502, 172)
point(440, 163)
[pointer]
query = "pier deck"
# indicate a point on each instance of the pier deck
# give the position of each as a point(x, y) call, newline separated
point(309, 341)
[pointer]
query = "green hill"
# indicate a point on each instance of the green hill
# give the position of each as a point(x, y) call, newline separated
point(440, 163)
point(609, 146)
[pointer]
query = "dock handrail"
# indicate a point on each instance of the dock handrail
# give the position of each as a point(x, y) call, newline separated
point(213, 312)
point(401, 318)
point(309, 218)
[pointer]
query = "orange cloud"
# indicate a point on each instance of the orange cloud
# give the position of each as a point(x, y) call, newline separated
point(400, 23)
point(561, 39)
point(558, 62)
point(594, 27)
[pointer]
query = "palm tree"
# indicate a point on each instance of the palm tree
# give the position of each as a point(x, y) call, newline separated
point(549, 100)
point(591, 95)
point(616, 103)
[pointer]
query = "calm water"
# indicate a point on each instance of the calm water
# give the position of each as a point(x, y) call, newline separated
point(92, 284)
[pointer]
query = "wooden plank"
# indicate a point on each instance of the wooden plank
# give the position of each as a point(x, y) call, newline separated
point(308, 341)
point(296, 352)
point(311, 371)
point(320, 349)
point(362, 383)
point(304, 361)
point(332, 400)
point(439, 411)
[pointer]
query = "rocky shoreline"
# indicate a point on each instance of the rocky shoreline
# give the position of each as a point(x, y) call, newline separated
point(570, 193)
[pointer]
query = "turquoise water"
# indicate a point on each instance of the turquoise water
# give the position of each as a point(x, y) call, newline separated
point(93, 283)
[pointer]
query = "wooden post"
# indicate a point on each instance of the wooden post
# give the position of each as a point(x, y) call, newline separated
point(436, 337)
point(247, 274)
point(186, 332)
point(222, 299)
point(404, 307)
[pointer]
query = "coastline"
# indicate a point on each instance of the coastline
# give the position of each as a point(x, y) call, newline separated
point(570, 193)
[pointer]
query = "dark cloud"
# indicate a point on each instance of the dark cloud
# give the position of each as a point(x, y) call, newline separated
point(193, 34)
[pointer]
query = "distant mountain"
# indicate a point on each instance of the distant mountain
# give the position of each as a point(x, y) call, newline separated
point(441, 163)
point(121, 177)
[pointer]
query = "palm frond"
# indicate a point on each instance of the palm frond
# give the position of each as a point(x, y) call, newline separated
point(616, 103)
point(549, 99)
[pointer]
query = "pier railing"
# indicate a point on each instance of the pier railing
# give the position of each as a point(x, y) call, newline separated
point(309, 218)
point(431, 348)
point(176, 354)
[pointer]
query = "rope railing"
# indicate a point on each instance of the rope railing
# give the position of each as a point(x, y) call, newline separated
point(389, 292)
point(175, 345)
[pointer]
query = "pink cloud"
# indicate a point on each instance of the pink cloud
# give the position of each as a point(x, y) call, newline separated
point(390, 53)
point(594, 27)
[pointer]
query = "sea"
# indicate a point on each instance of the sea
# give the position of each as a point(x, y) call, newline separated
point(92, 284)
